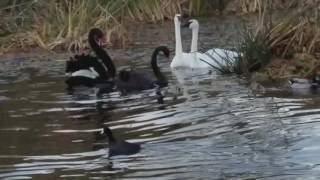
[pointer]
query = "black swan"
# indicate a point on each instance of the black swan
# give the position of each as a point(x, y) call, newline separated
point(118, 146)
point(88, 70)
point(132, 80)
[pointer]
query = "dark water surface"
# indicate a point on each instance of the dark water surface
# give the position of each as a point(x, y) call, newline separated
point(209, 127)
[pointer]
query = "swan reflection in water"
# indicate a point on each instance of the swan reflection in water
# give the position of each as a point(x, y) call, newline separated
point(117, 146)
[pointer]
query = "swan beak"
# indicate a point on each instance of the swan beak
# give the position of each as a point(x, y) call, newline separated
point(177, 18)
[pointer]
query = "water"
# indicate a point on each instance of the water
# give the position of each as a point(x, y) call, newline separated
point(209, 127)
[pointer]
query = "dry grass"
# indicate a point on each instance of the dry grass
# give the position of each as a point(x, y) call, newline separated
point(293, 43)
point(298, 32)
point(62, 24)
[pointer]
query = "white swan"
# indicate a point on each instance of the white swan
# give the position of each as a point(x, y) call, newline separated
point(213, 58)
point(181, 59)
point(216, 57)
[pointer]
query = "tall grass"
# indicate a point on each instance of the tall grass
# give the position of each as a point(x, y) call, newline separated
point(63, 24)
point(298, 32)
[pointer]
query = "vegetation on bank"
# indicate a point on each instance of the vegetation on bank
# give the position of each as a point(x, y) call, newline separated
point(275, 51)
point(62, 24)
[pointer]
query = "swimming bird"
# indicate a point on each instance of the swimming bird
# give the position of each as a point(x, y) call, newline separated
point(182, 59)
point(134, 80)
point(118, 146)
point(211, 59)
point(215, 57)
point(88, 70)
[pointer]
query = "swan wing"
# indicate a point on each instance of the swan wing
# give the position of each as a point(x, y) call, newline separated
point(137, 81)
point(207, 61)
point(222, 55)
point(85, 73)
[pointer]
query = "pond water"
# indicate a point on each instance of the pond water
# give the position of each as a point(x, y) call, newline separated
point(209, 126)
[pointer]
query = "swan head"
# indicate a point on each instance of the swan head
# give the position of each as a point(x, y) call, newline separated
point(192, 24)
point(176, 19)
point(98, 36)
point(165, 50)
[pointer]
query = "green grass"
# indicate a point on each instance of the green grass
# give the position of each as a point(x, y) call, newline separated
point(284, 44)
point(271, 40)
point(255, 52)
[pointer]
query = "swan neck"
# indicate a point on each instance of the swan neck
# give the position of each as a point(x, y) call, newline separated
point(194, 42)
point(178, 39)
point(108, 132)
point(103, 55)
point(154, 65)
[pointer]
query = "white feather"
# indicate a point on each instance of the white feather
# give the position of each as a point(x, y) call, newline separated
point(89, 73)
point(213, 57)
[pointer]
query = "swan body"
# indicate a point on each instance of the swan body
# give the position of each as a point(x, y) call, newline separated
point(89, 73)
point(189, 60)
point(217, 56)
point(133, 80)
point(213, 58)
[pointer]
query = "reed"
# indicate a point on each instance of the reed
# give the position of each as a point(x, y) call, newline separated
point(61, 24)
point(294, 40)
